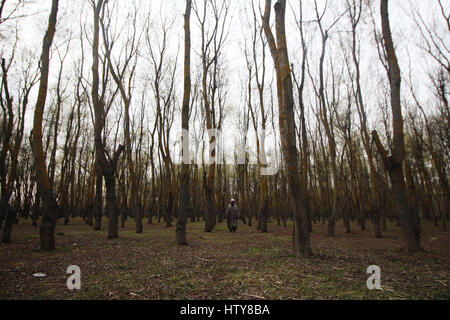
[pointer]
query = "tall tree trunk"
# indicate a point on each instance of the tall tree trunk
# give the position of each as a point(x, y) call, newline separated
point(49, 205)
point(410, 221)
point(355, 16)
point(108, 166)
point(135, 198)
point(302, 246)
point(185, 203)
point(98, 200)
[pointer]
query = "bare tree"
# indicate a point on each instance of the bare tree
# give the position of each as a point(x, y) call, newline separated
point(120, 74)
point(394, 164)
point(49, 205)
point(107, 164)
point(278, 49)
point(355, 9)
point(185, 197)
point(11, 141)
point(211, 49)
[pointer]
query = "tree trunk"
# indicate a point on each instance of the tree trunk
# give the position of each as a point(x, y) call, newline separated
point(409, 218)
point(49, 205)
point(185, 201)
point(108, 166)
point(98, 200)
point(302, 246)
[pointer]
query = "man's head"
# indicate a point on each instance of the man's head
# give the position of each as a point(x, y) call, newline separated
point(232, 201)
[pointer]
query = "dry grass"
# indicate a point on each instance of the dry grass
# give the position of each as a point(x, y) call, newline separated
point(220, 265)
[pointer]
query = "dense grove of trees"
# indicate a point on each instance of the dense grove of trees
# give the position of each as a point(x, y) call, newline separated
point(110, 103)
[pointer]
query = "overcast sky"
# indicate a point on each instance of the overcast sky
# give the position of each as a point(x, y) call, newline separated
point(405, 35)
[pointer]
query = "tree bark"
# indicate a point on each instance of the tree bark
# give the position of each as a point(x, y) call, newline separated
point(302, 246)
point(410, 221)
point(49, 205)
point(185, 197)
point(108, 166)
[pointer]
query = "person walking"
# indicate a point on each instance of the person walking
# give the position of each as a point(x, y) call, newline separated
point(232, 216)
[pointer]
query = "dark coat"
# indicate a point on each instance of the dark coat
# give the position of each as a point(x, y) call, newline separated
point(232, 216)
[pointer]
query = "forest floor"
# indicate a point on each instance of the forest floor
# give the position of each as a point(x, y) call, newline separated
point(220, 265)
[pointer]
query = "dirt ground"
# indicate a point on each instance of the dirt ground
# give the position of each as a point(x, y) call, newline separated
point(220, 265)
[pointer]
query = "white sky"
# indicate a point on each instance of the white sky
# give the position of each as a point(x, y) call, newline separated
point(405, 35)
